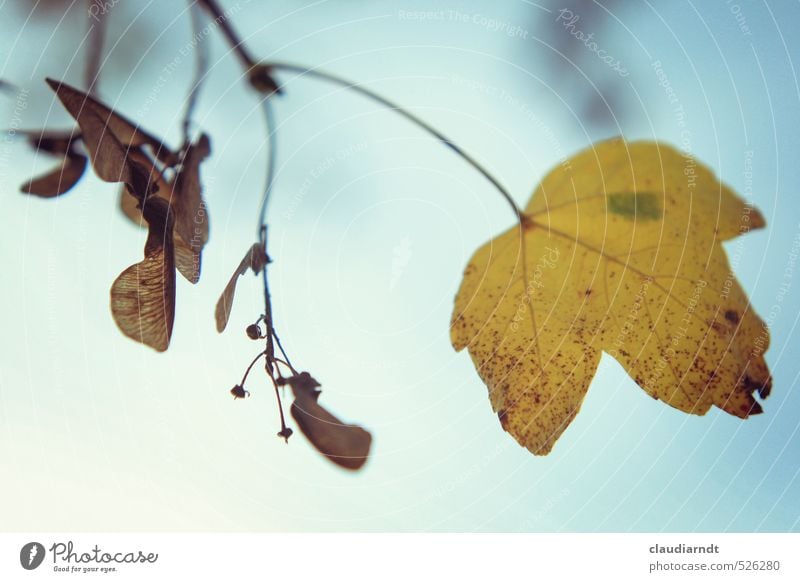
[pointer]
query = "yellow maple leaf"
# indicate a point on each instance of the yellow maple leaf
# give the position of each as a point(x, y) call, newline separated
point(619, 251)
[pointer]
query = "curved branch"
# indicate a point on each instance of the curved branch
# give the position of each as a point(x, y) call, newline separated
point(336, 80)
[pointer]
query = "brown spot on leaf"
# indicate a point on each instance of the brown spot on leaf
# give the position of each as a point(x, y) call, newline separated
point(503, 417)
point(732, 316)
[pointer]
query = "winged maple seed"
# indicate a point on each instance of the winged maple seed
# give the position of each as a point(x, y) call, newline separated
point(620, 250)
point(64, 176)
point(255, 259)
point(347, 445)
point(344, 444)
point(184, 193)
point(143, 296)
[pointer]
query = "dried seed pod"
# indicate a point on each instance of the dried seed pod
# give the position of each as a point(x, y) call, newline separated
point(239, 392)
point(253, 332)
point(285, 433)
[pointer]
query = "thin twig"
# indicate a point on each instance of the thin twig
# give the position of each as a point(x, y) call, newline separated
point(94, 48)
point(247, 371)
point(287, 361)
point(248, 63)
point(280, 410)
point(268, 315)
point(271, 131)
point(336, 80)
point(201, 69)
point(221, 19)
point(262, 223)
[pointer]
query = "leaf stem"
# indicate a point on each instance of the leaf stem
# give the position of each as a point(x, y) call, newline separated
point(238, 46)
point(368, 93)
point(270, 129)
point(201, 69)
point(94, 48)
point(250, 367)
point(280, 410)
point(248, 63)
point(221, 19)
point(269, 123)
point(270, 349)
point(286, 359)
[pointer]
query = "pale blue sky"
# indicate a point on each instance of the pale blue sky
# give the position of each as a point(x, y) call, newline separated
point(372, 224)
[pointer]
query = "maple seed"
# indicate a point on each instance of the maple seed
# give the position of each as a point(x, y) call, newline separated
point(255, 259)
point(239, 392)
point(254, 332)
point(302, 381)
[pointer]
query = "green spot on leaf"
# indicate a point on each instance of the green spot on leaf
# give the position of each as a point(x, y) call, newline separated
point(635, 205)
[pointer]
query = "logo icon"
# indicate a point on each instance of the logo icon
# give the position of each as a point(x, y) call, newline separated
point(31, 555)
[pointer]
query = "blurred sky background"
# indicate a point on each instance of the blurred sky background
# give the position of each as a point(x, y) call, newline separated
point(372, 223)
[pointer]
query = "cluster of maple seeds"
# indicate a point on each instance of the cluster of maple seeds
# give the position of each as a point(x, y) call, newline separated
point(162, 191)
